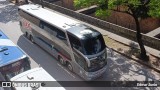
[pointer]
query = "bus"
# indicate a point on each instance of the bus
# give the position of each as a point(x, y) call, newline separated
point(77, 46)
point(35, 79)
point(13, 60)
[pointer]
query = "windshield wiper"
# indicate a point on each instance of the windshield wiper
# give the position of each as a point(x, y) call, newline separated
point(3, 49)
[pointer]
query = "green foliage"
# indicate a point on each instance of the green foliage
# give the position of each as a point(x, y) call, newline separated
point(136, 8)
point(102, 13)
point(154, 8)
point(83, 3)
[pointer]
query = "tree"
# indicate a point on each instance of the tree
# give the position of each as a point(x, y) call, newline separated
point(138, 9)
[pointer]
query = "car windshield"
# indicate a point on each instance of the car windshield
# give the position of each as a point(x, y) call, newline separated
point(93, 45)
point(15, 68)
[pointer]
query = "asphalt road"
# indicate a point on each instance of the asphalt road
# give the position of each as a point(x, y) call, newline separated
point(120, 68)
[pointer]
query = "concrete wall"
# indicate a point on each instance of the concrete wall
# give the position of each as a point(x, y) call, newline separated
point(127, 21)
point(125, 32)
point(68, 4)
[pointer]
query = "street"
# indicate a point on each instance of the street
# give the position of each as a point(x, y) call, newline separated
point(120, 68)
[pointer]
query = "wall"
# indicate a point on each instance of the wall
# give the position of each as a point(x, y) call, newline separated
point(68, 4)
point(127, 21)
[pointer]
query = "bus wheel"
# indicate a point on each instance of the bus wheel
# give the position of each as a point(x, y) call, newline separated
point(69, 66)
point(26, 34)
point(61, 60)
point(31, 38)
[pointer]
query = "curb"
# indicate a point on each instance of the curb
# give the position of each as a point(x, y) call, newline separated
point(138, 60)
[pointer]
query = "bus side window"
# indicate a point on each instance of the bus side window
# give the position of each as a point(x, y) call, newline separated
point(47, 27)
point(58, 33)
point(61, 35)
point(81, 62)
point(75, 42)
point(41, 25)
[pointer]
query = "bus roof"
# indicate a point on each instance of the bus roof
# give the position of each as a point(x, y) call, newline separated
point(82, 31)
point(76, 28)
point(48, 16)
point(37, 74)
point(9, 52)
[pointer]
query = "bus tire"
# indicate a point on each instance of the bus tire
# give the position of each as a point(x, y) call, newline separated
point(31, 38)
point(26, 34)
point(69, 66)
point(61, 60)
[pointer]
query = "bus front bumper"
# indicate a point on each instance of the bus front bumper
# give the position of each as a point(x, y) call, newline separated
point(93, 75)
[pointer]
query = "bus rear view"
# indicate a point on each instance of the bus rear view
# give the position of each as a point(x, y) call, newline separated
point(12, 59)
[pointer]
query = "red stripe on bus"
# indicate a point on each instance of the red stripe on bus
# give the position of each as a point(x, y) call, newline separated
point(64, 56)
point(26, 24)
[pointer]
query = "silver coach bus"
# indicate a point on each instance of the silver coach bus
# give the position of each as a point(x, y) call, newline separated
point(81, 48)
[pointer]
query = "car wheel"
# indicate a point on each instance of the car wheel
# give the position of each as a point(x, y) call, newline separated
point(26, 35)
point(31, 39)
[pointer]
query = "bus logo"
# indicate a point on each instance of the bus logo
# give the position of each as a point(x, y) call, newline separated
point(26, 24)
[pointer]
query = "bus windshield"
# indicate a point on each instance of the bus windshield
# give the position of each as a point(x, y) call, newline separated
point(15, 68)
point(93, 45)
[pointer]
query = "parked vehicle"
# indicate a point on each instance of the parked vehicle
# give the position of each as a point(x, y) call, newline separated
point(13, 59)
point(36, 75)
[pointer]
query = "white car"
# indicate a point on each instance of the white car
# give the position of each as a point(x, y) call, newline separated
point(36, 75)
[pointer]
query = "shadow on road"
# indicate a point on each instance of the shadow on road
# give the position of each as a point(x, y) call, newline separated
point(8, 12)
point(116, 69)
point(132, 50)
point(4, 2)
point(122, 69)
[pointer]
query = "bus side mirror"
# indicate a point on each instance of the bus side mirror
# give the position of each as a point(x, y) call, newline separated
point(61, 37)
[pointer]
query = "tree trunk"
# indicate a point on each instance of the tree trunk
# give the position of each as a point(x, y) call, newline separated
point(41, 1)
point(139, 40)
point(16, 1)
point(26, 1)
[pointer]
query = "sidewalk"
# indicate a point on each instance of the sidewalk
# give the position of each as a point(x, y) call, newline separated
point(126, 41)
point(130, 49)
